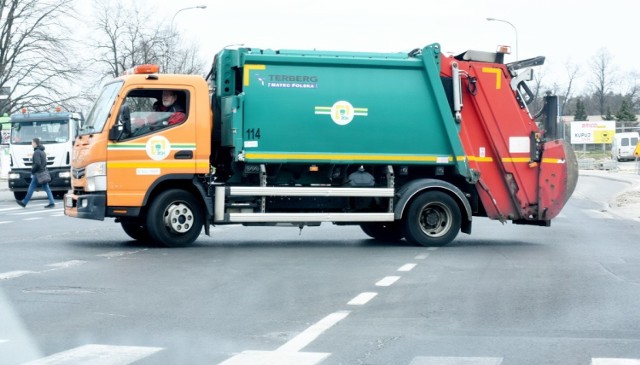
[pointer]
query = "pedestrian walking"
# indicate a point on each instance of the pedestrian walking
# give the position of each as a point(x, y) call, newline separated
point(38, 166)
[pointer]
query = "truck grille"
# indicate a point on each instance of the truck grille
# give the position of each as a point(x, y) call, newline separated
point(78, 173)
point(29, 162)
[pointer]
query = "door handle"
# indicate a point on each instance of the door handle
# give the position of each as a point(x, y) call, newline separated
point(184, 155)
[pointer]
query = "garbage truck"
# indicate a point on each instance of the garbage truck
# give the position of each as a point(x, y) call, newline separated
point(407, 145)
point(56, 131)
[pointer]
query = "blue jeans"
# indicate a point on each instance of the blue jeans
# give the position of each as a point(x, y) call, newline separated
point(32, 188)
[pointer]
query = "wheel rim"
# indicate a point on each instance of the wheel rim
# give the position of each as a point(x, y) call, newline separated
point(435, 219)
point(178, 218)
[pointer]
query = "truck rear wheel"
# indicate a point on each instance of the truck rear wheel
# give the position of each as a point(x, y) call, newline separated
point(432, 219)
point(383, 231)
point(174, 219)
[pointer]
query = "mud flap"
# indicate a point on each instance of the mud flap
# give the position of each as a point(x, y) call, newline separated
point(558, 178)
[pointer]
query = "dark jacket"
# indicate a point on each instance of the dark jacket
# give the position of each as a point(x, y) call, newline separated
point(39, 160)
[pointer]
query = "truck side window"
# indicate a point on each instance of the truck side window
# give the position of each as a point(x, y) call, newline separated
point(153, 110)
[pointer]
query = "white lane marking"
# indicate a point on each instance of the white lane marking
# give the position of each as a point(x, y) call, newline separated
point(32, 219)
point(8, 209)
point(428, 360)
point(114, 254)
point(56, 266)
point(407, 267)
point(276, 358)
point(307, 336)
point(611, 361)
point(2, 341)
point(98, 355)
point(422, 256)
point(6, 222)
point(32, 212)
point(66, 264)
point(15, 274)
point(388, 281)
point(431, 248)
point(362, 298)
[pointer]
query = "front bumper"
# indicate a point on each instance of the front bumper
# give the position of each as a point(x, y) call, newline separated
point(87, 206)
point(57, 183)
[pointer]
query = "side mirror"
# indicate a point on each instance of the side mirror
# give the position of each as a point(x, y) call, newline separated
point(125, 118)
point(122, 126)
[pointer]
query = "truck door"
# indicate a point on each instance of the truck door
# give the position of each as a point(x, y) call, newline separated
point(158, 146)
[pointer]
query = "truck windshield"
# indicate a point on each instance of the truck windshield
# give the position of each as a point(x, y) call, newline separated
point(49, 131)
point(100, 112)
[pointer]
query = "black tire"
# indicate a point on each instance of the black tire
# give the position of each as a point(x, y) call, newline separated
point(432, 219)
point(58, 194)
point(174, 219)
point(383, 231)
point(19, 195)
point(135, 229)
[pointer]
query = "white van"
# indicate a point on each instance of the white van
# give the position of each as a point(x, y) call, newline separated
point(623, 146)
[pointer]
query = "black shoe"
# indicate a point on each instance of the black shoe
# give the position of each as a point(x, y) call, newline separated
point(50, 205)
point(20, 203)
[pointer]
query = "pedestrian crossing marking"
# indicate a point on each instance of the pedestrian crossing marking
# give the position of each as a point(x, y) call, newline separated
point(611, 361)
point(276, 358)
point(98, 355)
point(428, 360)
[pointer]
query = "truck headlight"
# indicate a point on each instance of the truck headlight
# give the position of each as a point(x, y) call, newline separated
point(65, 174)
point(13, 176)
point(96, 175)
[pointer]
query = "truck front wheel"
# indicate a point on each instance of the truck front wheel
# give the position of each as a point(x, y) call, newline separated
point(174, 219)
point(19, 195)
point(135, 229)
point(432, 219)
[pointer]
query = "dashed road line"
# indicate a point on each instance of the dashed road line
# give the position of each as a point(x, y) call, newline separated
point(407, 267)
point(388, 281)
point(307, 336)
point(362, 298)
point(289, 352)
point(421, 256)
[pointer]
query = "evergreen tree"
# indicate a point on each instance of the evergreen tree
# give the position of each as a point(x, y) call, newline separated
point(581, 113)
point(625, 114)
point(609, 116)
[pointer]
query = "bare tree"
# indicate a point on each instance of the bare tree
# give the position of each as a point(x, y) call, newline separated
point(129, 36)
point(603, 77)
point(36, 59)
point(573, 71)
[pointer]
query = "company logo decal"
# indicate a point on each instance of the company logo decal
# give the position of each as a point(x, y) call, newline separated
point(342, 112)
point(158, 148)
point(293, 81)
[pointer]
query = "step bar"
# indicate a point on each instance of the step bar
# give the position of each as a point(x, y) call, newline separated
point(222, 192)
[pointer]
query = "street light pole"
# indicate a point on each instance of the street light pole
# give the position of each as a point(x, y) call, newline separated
point(512, 26)
point(183, 9)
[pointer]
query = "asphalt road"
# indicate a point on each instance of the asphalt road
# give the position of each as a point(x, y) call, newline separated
point(78, 291)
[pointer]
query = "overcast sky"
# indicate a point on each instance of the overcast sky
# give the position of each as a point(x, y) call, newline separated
point(562, 30)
